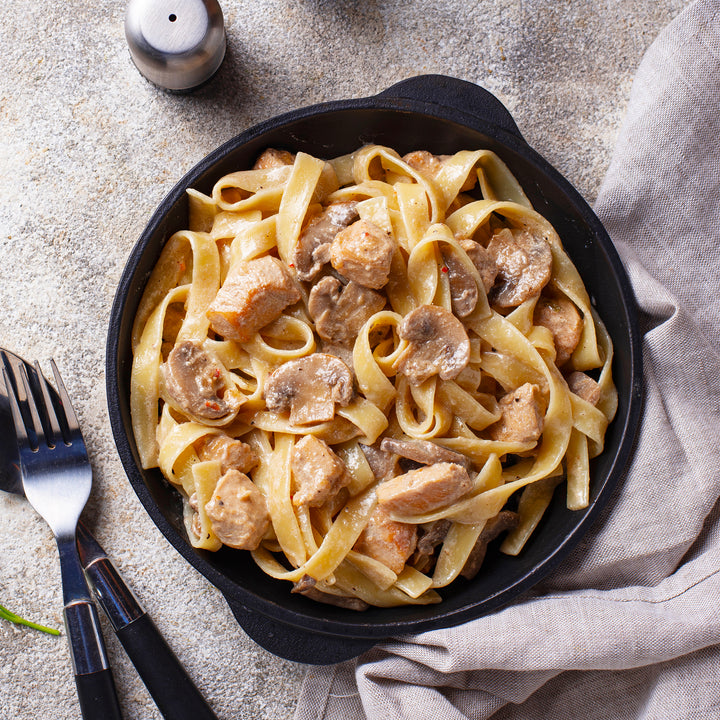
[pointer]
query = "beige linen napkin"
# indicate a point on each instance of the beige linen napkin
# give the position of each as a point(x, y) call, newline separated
point(629, 626)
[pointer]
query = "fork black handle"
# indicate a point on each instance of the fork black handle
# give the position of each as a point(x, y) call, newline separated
point(95, 693)
point(93, 678)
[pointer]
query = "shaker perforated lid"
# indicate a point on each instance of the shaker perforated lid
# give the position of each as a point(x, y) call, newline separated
point(175, 44)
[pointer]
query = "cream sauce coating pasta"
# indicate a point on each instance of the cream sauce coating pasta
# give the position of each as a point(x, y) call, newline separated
point(398, 407)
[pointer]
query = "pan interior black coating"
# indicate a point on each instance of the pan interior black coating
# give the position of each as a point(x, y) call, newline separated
point(334, 129)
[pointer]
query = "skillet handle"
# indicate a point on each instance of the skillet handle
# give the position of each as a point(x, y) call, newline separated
point(456, 94)
point(293, 643)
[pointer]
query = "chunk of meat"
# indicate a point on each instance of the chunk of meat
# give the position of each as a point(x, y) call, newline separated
point(522, 418)
point(524, 263)
point(272, 158)
point(313, 247)
point(238, 512)
point(560, 316)
point(429, 165)
point(340, 311)
point(424, 490)
point(194, 381)
point(363, 252)
point(254, 294)
point(230, 452)
point(423, 451)
point(309, 387)
point(482, 260)
point(387, 541)
point(437, 345)
point(505, 520)
point(584, 386)
point(318, 472)
point(424, 162)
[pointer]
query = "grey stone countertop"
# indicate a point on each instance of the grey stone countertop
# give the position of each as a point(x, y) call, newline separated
point(88, 149)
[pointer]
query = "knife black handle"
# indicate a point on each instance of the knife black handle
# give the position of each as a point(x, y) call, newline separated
point(97, 696)
point(167, 681)
point(165, 678)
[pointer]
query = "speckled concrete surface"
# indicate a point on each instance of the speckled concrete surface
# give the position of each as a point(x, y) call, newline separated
point(88, 149)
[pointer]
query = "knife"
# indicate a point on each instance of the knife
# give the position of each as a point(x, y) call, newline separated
point(168, 683)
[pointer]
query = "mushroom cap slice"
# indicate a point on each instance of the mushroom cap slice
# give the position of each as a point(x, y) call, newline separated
point(482, 261)
point(524, 262)
point(309, 387)
point(505, 520)
point(339, 312)
point(438, 345)
point(423, 451)
point(195, 384)
point(463, 288)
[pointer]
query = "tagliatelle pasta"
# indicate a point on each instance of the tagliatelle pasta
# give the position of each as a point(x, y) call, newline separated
point(363, 370)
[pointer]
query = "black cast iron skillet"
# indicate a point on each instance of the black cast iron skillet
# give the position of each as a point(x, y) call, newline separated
point(442, 115)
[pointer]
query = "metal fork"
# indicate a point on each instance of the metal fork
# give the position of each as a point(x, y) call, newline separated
point(57, 479)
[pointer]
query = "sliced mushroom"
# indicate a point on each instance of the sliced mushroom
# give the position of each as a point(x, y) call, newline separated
point(309, 387)
point(482, 260)
point(230, 452)
point(307, 586)
point(195, 525)
point(438, 345)
point(194, 381)
point(382, 464)
point(522, 417)
point(363, 252)
point(433, 536)
point(424, 490)
point(463, 288)
point(429, 538)
point(423, 451)
point(387, 541)
point(505, 520)
point(524, 263)
point(560, 316)
point(584, 386)
point(343, 352)
point(318, 472)
point(340, 311)
point(237, 511)
point(313, 247)
point(254, 294)
point(272, 158)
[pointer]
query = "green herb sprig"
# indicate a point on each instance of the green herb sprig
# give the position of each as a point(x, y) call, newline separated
point(6, 614)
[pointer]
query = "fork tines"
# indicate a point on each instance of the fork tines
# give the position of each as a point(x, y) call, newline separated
point(44, 422)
